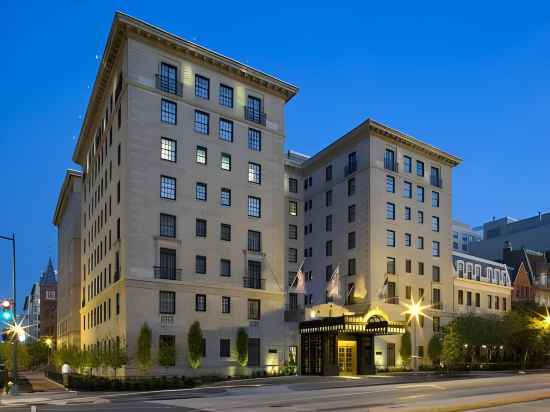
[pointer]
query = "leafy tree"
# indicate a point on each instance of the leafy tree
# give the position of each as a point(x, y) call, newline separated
point(144, 357)
point(406, 349)
point(435, 349)
point(116, 358)
point(242, 347)
point(167, 354)
point(194, 344)
point(453, 348)
point(522, 335)
point(38, 353)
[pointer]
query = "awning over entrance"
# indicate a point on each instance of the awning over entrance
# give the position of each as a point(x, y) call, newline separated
point(356, 324)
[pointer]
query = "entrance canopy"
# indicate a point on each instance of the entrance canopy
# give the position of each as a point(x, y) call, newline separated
point(357, 324)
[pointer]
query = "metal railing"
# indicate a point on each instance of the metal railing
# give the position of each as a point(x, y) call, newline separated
point(168, 85)
point(254, 115)
point(350, 168)
point(391, 165)
point(253, 283)
point(167, 273)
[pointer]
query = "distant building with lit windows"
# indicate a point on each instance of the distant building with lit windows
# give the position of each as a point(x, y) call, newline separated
point(464, 236)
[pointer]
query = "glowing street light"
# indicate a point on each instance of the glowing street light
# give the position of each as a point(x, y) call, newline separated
point(415, 310)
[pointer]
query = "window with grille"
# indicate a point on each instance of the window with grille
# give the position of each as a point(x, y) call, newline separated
point(168, 112)
point(435, 199)
point(200, 303)
point(390, 265)
point(200, 227)
point(167, 302)
point(254, 140)
point(292, 208)
point(226, 130)
point(420, 168)
point(292, 255)
point(293, 232)
point(200, 264)
point(202, 87)
point(226, 96)
point(436, 273)
point(226, 304)
point(390, 184)
point(407, 213)
point(225, 232)
point(167, 225)
point(168, 149)
point(201, 155)
point(435, 224)
point(420, 194)
point(407, 190)
point(254, 173)
point(254, 206)
point(202, 122)
point(200, 191)
point(408, 239)
point(254, 241)
point(292, 185)
point(390, 211)
point(225, 267)
point(225, 162)
point(253, 310)
point(390, 238)
point(435, 249)
point(225, 348)
point(168, 187)
point(407, 164)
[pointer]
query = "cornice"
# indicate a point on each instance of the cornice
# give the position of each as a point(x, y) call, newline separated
point(62, 198)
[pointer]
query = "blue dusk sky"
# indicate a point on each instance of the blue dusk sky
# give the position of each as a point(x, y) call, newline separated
point(470, 77)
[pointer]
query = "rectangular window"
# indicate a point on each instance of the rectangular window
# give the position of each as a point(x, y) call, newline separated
point(390, 265)
point(390, 211)
point(202, 87)
point(389, 160)
point(168, 112)
point(167, 302)
point(225, 162)
point(460, 297)
point(292, 185)
point(390, 184)
point(328, 272)
point(351, 240)
point(408, 292)
point(408, 266)
point(200, 303)
point(328, 223)
point(253, 110)
point(168, 78)
point(351, 186)
point(328, 248)
point(421, 268)
point(328, 173)
point(435, 224)
point(436, 277)
point(407, 213)
point(200, 264)
point(225, 347)
point(200, 227)
point(420, 217)
point(407, 190)
point(293, 232)
point(226, 130)
point(435, 249)
point(408, 240)
point(226, 96)
point(469, 298)
point(254, 206)
point(254, 309)
point(351, 213)
point(167, 269)
point(225, 267)
point(390, 238)
point(167, 187)
point(168, 149)
point(254, 352)
point(435, 199)
point(225, 197)
point(420, 168)
point(351, 267)
point(420, 242)
point(201, 155)
point(328, 198)
point(225, 232)
point(254, 140)
point(202, 122)
point(167, 225)
point(478, 300)
point(201, 191)
point(292, 208)
point(254, 173)
point(407, 164)
point(254, 241)
point(292, 255)
point(420, 194)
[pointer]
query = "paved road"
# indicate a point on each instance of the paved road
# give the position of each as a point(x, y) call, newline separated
point(538, 406)
point(334, 394)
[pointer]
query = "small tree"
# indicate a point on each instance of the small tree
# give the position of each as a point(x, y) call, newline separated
point(144, 357)
point(167, 353)
point(194, 344)
point(435, 347)
point(405, 350)
point(242, 347)
point(453, 348)
point(38, 353)
point(117, 358)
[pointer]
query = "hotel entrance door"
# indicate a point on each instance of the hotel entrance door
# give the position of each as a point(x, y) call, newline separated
point(347, 357)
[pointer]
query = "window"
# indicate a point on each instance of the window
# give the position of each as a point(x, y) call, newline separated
point(226, 304)
point(435, 249)
point(292, 185)
point(200, 264)
point(225, 232)
point(351, 186)
point(253, 110)
point(167, 302)
point(351, 267)
point(407, 164)
point(254, 140)
point(351, 240)
point(167, 225)
point(389, 160)
point(200, 303)
point(254, 310)
point(50, 295)
point(202, 87)
point(436, 274)
point(390, 265)
point(201, 156)
point(328, 173)
point(328, 198)
point(292, 255)
point(407, 190)
point(167, 187)
point(351, 213)
point(254, 241)
point(226, 96)
point(390, 211)
point(225, 197)
point(435, 224)
point(328, 223)
point(436, 324)
point(225, 267)
point(200, 227)
point(435, 199)
point(408, 266)
point(254, 173)
point(201, 191)
point(504, 304)
point(168, 149)
point(225, 348)
point(390, 238)
point(408, 292)
point(407, 213)
point(420, 168)
point(292, 208)
point(226, 130)
point(420, 242)
point(420, 217)
point(202, 122)
point(225, 162)
point(390, 184)
point(460, 297)
point(478, 300)
point(408, 240)
point(436, 298)
point(489, 301)
point(168, 112)
point(254, 206)
point(328, 248)
point(421, 268)
point(420, 194)
point(293, 232)
point(469, 298)
point(497, 301)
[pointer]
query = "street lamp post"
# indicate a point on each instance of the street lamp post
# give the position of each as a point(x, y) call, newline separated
point(414, 348)
point(13, 390)
point(415, 310)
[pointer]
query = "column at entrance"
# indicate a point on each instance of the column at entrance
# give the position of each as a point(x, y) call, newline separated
point(365, 355)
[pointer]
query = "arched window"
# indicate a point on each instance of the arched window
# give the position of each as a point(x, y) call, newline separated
point(460, 268)
point(478, 272)
point(469, 270)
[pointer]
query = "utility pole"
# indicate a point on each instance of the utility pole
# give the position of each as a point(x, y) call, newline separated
point(13, 390)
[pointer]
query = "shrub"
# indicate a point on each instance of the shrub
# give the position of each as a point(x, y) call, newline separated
point(242, 347)
point(195, 345)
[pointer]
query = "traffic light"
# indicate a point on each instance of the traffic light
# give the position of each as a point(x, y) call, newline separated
point(7, 314)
